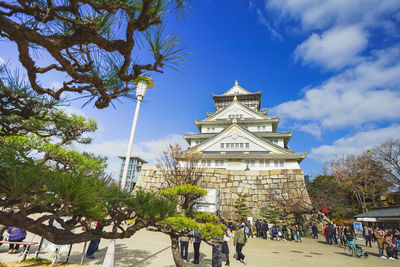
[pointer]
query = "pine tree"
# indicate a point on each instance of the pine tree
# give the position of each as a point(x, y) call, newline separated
point(241, 207)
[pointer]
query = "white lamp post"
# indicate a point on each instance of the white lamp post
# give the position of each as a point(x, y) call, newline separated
point(142, 84)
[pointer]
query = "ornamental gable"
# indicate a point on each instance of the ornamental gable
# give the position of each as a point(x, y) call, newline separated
point(236, 110)
point(237, 139)
point(236, 90)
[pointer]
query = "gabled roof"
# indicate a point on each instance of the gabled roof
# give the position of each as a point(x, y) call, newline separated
point(236, 89)
point(391, 211)
point(259, 134)
point(274, 121)
point(201, 136)
point(235, 102)
point(269, 146)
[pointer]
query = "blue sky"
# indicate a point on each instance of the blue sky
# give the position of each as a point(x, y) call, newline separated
point(329, 68)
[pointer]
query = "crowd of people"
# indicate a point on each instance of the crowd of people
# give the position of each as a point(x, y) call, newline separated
point(388, 240)
point(261, 229)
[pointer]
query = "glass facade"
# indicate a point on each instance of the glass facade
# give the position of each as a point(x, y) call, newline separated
point(134, 168)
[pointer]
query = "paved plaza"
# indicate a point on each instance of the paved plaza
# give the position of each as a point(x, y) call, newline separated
point(153, 249)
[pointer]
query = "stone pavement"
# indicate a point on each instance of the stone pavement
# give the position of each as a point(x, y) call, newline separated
point(153, 249)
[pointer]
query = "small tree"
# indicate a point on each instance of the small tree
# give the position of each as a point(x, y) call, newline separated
point(273, 213)
point(183, 171)
point(388, 154)
point(241, 209)
point(43, 180)
point(363, 177)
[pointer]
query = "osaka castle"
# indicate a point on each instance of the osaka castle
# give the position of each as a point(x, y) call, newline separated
point(240, 135)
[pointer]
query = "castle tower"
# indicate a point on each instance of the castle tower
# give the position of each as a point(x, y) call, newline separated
point(240, 136)
point(242, 152)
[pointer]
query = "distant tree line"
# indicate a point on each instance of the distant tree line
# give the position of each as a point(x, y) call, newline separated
point(358, 183)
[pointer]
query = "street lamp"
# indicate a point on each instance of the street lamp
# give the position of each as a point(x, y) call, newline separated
point(142, 84)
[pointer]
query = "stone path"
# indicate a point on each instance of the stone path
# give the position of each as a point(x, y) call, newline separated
point(153, 249)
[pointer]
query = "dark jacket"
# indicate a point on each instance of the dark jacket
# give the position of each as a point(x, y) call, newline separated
point(314, 229)
point(329, 230)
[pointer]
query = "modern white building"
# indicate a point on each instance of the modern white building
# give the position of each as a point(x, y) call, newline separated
point(134, 168)
point(241, 136)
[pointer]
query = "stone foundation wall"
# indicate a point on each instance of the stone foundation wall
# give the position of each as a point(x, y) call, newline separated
point(261, 186)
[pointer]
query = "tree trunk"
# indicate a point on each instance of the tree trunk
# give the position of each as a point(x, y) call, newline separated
point(217, 256)
point(175, 251)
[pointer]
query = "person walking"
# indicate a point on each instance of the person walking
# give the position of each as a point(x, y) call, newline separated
point(196, 247)
point(184, 248)
point(15, 235)
point(329, 234)
point(292, 233)
point(92, 248)
point(335, 235)
point(367, 236)
point(314, 231)
point(341, 235)
point(265, 230)
point(258, 228)
point(239, 240)
point(379, 239)
point(298, 234)
point(225, 247)
point(395, 241)
point(284, 231)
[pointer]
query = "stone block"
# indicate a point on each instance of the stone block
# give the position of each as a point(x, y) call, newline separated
point(228, 184)
point(237, 178)
point(236, 172)
point(236, 183)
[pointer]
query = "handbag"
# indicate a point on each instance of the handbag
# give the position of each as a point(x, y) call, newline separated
point(226, 238)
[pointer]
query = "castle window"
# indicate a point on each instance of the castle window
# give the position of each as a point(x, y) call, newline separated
point(219, 163)
point(222, 145)
point(279, 163)
point(236, 145)
point(247, 145)
point(241, 145)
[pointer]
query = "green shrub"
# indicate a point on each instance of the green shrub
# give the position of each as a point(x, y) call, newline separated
point(37, 261)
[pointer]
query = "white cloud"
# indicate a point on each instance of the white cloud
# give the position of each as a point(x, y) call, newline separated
point(367, 93)
point(2, 60)
point(333, 49)
point(263, 21)
point(323, 14)
point(147, 150)
point(355, 144)
point(72, 111)
point(339, 29)
point(56, 85)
